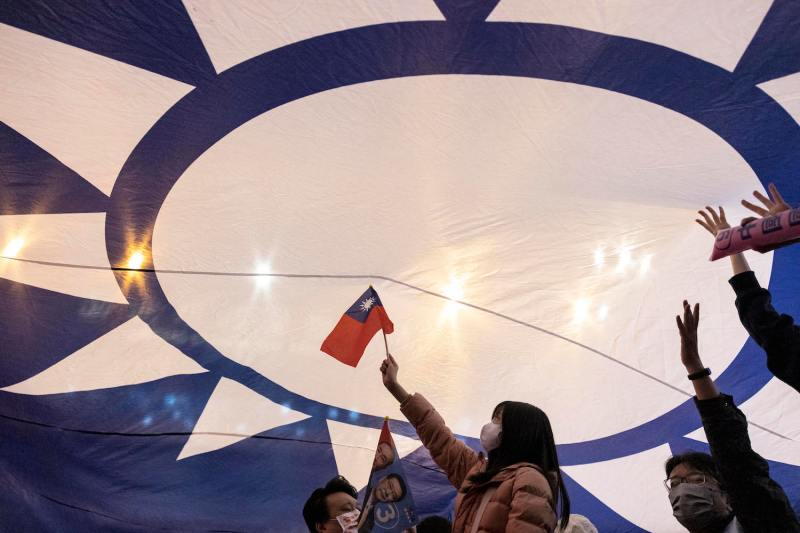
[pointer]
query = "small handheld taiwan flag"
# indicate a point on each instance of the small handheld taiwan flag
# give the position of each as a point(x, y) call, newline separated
point(355, 329)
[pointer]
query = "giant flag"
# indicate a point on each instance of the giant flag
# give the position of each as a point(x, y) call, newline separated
point(192, 191)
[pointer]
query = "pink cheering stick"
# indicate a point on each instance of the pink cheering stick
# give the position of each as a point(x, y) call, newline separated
point(759, 234)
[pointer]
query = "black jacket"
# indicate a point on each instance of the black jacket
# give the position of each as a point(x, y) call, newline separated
point(758, 502)
point(776, 333)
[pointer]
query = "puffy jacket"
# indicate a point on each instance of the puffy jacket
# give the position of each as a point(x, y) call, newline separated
point(523, 500)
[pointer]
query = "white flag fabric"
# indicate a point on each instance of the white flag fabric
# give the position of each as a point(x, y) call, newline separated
point(189, 191)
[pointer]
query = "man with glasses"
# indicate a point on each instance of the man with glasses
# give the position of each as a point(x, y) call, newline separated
point(332, 508)
point(729, 491)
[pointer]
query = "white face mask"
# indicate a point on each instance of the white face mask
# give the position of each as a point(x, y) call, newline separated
point(349, 521)
point(490, 436)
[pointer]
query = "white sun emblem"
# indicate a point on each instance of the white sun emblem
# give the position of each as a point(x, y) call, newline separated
point(367, 304)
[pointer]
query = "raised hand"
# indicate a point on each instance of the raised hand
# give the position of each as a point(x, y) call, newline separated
point(704, 387)
point(712, 221)
point(389, 369)
point(772, 206)
point(690, 354)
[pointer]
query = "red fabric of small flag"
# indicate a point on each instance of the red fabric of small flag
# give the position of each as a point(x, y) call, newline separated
point(355, 329)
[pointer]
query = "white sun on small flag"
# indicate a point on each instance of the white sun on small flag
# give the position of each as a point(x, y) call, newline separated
point(367, 304)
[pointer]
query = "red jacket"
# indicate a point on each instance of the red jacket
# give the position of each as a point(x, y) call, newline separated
point(523, 501)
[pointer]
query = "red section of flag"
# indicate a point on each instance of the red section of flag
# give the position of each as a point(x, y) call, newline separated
point(350, 337)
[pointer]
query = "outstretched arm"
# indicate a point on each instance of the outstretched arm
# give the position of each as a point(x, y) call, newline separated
point(452, 455)
point(758, 502)
point(704, 387)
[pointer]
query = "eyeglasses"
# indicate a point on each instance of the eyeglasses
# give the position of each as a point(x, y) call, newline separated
point(693, 479)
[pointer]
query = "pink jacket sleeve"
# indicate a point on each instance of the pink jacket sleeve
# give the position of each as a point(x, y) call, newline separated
point(532, 508)
point(452, 455)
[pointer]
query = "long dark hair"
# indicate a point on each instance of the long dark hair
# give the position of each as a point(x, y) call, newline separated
point(527, 438)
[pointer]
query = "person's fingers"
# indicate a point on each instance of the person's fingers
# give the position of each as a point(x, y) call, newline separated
point(754, 208)
point(687, 315)
point(776, 195)
point(391, 359)
point(681, 328)
point(722, 216)
point(764, 200)
point(714, 216)
point(708, 228)
point(696, 314)
point(706, 218)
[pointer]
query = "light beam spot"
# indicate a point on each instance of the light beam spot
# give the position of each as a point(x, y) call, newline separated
point(263, 279)
point(13, 247)
point(625, 259)
point(599, 258)
point(581, 310)
point(135, 261)
point(454, 292)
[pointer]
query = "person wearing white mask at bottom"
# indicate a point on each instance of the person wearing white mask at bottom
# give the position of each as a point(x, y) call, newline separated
point(729, 491)
point(515, 487)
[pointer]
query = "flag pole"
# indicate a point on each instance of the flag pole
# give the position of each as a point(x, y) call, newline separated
point(385, 342)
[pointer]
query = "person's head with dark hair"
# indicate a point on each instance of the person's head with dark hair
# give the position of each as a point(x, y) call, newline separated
point(698, 499)
point(521, 433)
point(392, 488)
point(434, 524)
point(336, 498)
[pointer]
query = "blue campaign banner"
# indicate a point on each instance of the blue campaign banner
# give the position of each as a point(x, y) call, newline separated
point(388, 503)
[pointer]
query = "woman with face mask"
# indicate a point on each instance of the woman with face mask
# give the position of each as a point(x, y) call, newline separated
point(729, 491)
point(515, 487)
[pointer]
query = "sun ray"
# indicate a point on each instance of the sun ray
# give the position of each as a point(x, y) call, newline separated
point(34, 181)
point(233, 36)
point(52, 98)
point(52, 327)
point(785, 91)
point(234, 413)
point(166, 44)
point(72, 239)
point(716, 31)
point(127, 355)
point(772, 52)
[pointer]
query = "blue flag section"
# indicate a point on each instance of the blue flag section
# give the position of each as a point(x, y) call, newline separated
point(388, 503)
point(192, 192)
